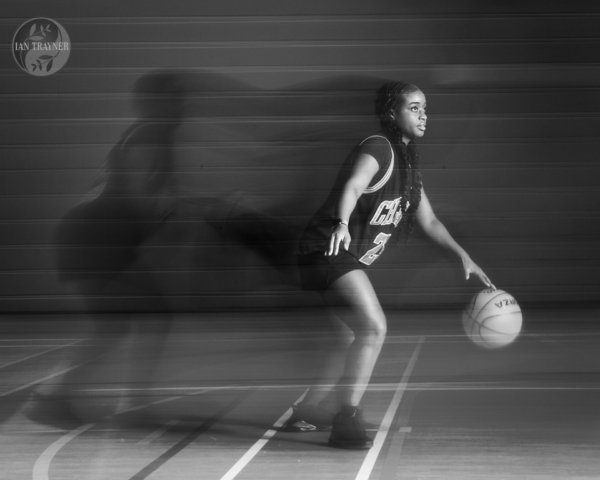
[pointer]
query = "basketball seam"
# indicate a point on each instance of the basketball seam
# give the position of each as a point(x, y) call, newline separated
point(483, 325)
point(477, 329)
point(503, 337)
point(472, 305)
point(473, 327)
point(501, 292)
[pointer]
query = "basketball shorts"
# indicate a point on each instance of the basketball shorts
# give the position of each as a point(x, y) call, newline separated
point(318, 272)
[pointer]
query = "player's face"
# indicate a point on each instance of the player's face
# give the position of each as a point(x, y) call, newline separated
point(411, 116)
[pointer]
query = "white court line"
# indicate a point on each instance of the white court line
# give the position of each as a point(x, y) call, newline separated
point(42, 464)
point(39, 380)
point(369, 462)
point(15, 340)
point(29, 357)
point(258, 445)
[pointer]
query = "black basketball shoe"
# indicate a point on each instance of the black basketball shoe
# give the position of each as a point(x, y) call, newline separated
point(348, 430)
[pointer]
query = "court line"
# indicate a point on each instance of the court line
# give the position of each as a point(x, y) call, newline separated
point(148, 439)
point(389, 462)
point(371, 458)
point(42, 464)
point(366, 468)
point(373, 387)
point(39, 380)
point(16, 340)
point(34, 355)
point(245, 459)
point(189, 438)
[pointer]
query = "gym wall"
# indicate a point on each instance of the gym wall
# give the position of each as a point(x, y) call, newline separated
point(280, 91)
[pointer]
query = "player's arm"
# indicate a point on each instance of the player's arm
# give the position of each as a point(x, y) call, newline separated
point(436, 230)
point(365, 168)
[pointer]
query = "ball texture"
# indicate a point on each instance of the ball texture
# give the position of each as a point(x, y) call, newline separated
point(493, 319)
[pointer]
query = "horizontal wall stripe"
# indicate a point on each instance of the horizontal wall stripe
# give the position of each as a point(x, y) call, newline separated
point(279, 92)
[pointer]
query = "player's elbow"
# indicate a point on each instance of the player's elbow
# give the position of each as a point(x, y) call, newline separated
point(432, 227)
point(352, 192)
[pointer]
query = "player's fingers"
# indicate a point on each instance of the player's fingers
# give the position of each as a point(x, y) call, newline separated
point(346, 242)
point(330, 248)
point(338, 240)
point(486, 280)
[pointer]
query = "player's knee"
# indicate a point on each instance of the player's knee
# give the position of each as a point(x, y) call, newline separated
point(345, 339)
point(374, 330)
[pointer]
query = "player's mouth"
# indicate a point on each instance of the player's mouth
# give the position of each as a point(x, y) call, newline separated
point(421, 127)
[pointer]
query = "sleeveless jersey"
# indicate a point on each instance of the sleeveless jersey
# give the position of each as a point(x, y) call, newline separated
point(377, 213)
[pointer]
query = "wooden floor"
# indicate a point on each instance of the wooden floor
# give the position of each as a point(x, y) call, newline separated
point(439, 406)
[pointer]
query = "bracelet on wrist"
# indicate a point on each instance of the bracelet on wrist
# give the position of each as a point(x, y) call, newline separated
point(339, 221)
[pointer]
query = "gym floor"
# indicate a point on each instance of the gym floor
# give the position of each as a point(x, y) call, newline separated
point(438, 407)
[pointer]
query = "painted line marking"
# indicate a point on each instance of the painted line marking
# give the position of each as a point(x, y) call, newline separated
point(122, 411)
point(158, 433)
point(42, 464)
point(373, 387)
point(39, 354)
point(10, 340)
point(371, 458)
point(39, 380)
point(153, 466)
point(245, 459)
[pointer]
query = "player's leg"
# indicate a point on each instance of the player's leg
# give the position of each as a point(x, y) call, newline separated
point(333, 360)
point(315, 411)
point(356, 304)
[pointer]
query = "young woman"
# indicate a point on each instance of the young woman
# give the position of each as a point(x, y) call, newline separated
point(377, 196)
point(98, 243)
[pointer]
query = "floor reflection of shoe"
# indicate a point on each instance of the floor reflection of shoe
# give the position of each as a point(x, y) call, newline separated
point(308, 418)
point(348, 430)
point(51, 409)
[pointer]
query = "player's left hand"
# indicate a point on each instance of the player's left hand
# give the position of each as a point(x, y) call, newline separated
point(470, 267)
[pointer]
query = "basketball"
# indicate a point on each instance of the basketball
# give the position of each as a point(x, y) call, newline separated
point(492, 319)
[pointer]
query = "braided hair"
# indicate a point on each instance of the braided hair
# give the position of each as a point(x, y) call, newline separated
point(390, 97)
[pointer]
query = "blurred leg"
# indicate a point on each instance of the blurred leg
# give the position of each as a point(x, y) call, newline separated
point(355, 302)
point(332, 356)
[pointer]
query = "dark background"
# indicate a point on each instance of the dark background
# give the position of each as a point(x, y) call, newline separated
point(282, 90)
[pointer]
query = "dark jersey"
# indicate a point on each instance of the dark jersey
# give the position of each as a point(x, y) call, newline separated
point(101, 237)
point(377, 213)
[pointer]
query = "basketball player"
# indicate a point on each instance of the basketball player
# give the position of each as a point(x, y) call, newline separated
point(98, 244)
point(377, 196)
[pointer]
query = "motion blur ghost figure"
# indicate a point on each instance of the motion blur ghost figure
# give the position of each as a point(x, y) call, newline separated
point(98, 243)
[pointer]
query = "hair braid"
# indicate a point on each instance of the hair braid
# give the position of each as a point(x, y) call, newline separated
point(390, 97)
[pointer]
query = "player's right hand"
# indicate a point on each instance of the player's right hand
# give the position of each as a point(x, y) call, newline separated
point(339, 235)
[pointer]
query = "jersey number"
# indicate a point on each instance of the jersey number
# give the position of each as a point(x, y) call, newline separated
point(373, 254)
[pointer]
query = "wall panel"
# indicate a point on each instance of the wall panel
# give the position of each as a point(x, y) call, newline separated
point(279, 93)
